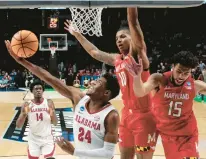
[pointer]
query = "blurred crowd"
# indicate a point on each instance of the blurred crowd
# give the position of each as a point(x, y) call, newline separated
point(166, 32)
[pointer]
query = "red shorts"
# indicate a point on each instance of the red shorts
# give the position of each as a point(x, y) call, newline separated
point(138, 130)
point(180, 147)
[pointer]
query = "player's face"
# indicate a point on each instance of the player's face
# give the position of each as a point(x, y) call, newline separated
point(123, 39)
point(180, 74)
point(98, 88)
point(37, 91)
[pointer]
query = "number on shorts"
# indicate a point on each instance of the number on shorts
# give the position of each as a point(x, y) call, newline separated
point(39, 116)
point(123, 78)
point(175, 106)
point(82, 135)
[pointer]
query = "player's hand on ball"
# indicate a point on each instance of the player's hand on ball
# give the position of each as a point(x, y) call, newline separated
point(8, 46)
point(65, 145)
point(69, 27)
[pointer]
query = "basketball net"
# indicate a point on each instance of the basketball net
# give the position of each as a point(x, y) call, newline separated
point(87, 20)
point(53, 51)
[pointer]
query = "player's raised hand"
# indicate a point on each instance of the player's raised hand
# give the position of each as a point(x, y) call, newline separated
point(134, 68)
point(69, 27)
point(138, 67)
point(9, 48)
point(65, 145)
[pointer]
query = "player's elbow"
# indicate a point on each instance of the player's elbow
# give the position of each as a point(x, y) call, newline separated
point(18, 124)
point(139, 93)
point(109, 154)
point(54, 122)
point(95, 53)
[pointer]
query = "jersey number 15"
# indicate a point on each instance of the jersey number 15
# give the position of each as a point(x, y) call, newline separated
point(175, 106)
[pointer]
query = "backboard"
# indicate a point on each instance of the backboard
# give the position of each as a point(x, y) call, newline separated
point(49, 40)
point(63, 4)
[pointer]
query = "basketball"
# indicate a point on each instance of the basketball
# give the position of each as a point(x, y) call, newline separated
point(24, 43)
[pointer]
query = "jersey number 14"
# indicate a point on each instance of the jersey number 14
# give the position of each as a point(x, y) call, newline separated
point(39, 116)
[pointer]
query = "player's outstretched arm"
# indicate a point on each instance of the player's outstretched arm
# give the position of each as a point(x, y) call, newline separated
point(52, 113)
point(200, 87)
point(70, 92)
point(89, 47)
point(138, 43)
point(22, 117)
point(141, 89)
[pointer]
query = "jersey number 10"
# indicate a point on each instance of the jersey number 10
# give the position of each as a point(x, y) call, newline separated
point(123, 78)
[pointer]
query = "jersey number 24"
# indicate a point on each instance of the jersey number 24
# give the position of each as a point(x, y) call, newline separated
point(84, 135)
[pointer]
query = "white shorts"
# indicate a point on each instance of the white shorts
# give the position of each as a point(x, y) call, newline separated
point(40, 146)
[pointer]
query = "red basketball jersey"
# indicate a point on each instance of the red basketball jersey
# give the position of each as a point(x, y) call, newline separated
point(173, 110)
point(125, 80)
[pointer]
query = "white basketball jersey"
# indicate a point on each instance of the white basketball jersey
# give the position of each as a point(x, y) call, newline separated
point(39, 119)
point(89, 129)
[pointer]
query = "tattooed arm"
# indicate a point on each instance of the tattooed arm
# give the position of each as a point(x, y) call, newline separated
point(90, 48)
point(138, 43)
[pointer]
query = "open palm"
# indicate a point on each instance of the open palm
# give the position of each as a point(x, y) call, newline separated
point(9, 48)
point(69, 27)
point(134, 68)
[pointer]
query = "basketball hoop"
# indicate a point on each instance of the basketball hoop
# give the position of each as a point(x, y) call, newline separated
point(53, 51)
point(87, 20)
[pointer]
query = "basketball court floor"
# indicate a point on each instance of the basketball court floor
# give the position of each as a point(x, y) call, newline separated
point(12, 142)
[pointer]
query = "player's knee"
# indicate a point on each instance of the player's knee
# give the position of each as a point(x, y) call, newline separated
point(127, 156)
point(145, 155)
point(127, 153)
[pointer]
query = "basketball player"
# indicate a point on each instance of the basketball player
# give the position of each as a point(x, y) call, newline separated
point(173, 104)
point(137, 128)
point(41, 113)
point(95, 120)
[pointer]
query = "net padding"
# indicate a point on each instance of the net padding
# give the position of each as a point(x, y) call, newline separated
point(53, 51)
point(87, 20)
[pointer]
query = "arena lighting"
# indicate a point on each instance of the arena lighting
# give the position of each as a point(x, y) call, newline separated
point(52, 22)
